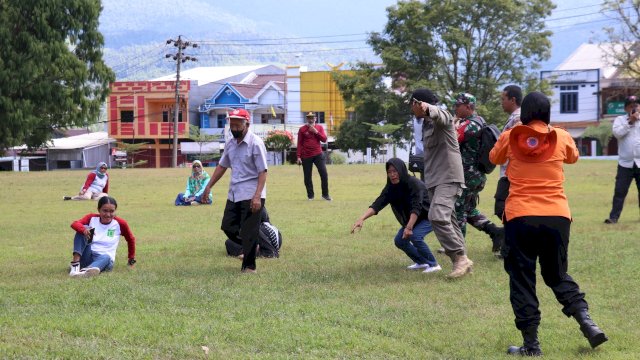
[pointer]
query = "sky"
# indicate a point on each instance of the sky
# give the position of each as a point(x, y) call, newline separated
point(573, 21)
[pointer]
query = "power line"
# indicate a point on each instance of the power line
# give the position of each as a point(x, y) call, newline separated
point(288, 43)
point(291, 38)
point(282, 52)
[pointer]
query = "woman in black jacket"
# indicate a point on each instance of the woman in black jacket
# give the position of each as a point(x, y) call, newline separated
point(407, 196)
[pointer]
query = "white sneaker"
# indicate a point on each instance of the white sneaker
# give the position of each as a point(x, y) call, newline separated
point(74, 269)
point(88, 272)
point(431, 269)
point(417, 266)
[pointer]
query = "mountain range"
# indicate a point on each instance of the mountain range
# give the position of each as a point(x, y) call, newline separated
point(136, 33)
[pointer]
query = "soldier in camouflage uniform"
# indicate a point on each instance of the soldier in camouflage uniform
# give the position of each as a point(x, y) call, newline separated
point(469, 124)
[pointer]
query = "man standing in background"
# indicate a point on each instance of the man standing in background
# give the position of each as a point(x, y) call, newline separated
point(510, 99)
point(626, 128)
point(310, 153)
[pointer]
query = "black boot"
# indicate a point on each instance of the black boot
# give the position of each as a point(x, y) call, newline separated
point(531, 345)
point(589, 329)
point(497, 237)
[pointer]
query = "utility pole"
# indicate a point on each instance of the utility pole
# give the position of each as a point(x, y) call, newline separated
point(179, 58)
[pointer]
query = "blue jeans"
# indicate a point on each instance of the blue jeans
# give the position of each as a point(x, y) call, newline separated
point(89, 258)
point(180, 200)
point(414, 246)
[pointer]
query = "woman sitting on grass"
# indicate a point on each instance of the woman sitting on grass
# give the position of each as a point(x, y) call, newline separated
point(195, 187)
point(96, 185)
point(408, 198)
point(97, 238)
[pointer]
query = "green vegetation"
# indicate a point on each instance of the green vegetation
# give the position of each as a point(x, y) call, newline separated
point(52, 73)
point(330, 295)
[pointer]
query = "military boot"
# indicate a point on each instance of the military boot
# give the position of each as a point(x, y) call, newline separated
point(497, 237)
point(589, 329)
point(530, 346)
point(461, 266)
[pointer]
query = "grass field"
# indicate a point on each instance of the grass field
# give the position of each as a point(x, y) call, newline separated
point(330, 295)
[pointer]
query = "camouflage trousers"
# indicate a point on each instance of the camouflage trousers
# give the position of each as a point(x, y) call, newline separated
point(466, 211)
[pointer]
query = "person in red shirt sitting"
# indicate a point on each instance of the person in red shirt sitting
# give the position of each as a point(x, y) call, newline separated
point(310, 152)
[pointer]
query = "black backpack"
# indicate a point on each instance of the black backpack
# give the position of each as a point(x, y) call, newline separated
point(488, 137)
point(269, 241)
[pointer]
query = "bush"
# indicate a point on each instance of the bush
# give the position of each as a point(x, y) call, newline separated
point(337, 158)
point(278, 140)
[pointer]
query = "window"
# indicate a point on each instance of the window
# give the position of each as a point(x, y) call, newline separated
point(167, 116)
point(126, 116)
point(568, 99)
point(222, 120)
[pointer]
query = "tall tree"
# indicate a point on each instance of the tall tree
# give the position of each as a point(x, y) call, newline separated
point(366, 93)
point(460, 45)
point(624, 38)
point(52, 74)
point(453, 46)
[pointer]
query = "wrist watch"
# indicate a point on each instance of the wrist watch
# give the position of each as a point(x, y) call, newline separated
point(132, 261)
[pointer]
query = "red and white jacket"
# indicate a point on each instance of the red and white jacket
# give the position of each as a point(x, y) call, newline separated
point(107, 236)
point(95, 184)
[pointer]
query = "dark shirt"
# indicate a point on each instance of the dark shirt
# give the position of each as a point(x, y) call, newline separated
point(406, 197)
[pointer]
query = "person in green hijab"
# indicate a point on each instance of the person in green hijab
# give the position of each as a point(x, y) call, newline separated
point(196, 183)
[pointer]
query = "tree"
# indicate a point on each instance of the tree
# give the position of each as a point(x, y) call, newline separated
point(623, 50)
point(52, 74)
point(365, 91)
point(201, 138)
point(603, 133)
point(464, 46)
point(279, 140)
point(132, 150)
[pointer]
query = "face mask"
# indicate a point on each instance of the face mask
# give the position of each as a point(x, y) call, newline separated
point(237, 133)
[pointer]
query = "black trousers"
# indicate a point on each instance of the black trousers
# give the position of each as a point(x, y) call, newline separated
point(502, 192)
point(547, 238)
point(624, 177)
point(307, 168)
point(239, 223)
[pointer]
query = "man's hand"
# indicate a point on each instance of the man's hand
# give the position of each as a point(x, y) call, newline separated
point(256, 204)
point(420, 108)
point(407, 233)
point(313, 129)
point(205, 195)
point(299, 161)
point(635, 116)
point(357, 226)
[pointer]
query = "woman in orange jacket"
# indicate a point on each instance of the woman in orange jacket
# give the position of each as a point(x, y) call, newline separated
point(538, 220)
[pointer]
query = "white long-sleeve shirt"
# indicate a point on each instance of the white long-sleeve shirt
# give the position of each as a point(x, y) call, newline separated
point(628, 141)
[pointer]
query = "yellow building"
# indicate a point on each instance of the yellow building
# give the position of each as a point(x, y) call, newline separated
point(319, 94)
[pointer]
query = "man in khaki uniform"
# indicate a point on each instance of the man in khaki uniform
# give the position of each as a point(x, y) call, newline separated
point(443, 175)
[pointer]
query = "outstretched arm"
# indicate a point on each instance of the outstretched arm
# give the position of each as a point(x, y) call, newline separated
point(358, 224)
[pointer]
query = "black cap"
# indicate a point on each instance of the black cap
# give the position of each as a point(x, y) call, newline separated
point(425, 95)
point(631, 100)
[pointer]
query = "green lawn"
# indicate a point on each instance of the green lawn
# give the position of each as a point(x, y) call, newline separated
point(330, 295)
